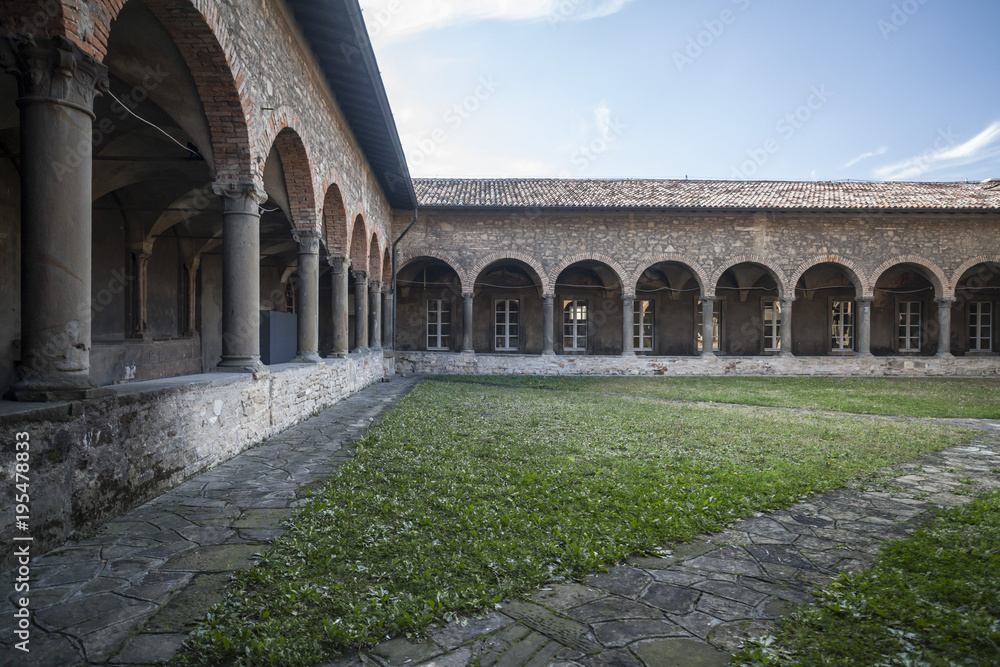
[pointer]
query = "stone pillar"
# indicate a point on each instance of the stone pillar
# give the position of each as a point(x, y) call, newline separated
point(142, 255)
point(308, 297)
point(240, 276)
point(192, 297)
point(341, 318)
point(375, 314)
point(57, 84)
point(548, 324)
point(468, 299)
point(628, 328)
point(865, 326)
point(787, 305)
point(360, 310)
point(944, 327)
point(388, 309)
point(707, 326)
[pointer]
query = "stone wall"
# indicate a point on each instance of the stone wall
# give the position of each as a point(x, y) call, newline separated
point(443, 363)
point(93, 460)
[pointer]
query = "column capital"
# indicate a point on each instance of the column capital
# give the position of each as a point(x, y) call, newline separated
point(865, 300)
point(628, 297)
point(788, 299)
point(308, 240)
point(55, 71)
point(338, 265)
point(468, 296)
point(549, 297)
point(359, 275)
point(709, 298)
point(387, 290)
point(244, 198)
point(946, 301)
point(375, 286)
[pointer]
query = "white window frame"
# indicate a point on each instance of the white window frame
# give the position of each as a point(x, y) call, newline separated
point(979, 332)
point(843, 325)
point(643, 325)
point(438, 330)
point(772, 324)
point(909, 334)
point(699, 319)
point(572, 309)
point(503, 339)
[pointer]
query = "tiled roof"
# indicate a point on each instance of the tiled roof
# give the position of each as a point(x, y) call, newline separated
point(657, 194)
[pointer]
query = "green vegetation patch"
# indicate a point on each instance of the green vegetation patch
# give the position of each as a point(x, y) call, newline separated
point(931, 599)
point(970, 398)
point(468, 494)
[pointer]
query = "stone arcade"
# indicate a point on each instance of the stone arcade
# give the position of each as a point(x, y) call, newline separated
point(200, 204)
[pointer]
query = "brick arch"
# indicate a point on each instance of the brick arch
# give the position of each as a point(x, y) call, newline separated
point(359, 244)
point(335, 222)
point(411, 255)
point(375, 257)
point(776, 273)
point(524, 258)
point(686, 261)
point(298, 177)
point(219, 76)
point(851, 268)
point(972, 263)
point(934, 273)
point(615, 267)
point(386, 267)
point(38, 20)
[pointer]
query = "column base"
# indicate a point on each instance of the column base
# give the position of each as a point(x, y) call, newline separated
point(629, 355)
point(468, 353)
point(708, 355)
point(785, 355)
point(240, 365)
point(944, 355)
point(310, 358)
point(337, 355)
point(360, 350)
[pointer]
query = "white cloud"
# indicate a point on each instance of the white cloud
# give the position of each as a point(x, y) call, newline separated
point(946, 153)
point(864, 156)
point(393, 20)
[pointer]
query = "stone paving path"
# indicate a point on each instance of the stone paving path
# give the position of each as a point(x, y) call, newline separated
point(694, 606)
point(131, 593)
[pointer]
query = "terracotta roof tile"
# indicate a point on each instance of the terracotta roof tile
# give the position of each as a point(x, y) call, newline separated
point(673, 194)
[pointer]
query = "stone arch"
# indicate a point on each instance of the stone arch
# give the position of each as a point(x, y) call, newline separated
point(206, 47)
point(335, 222)
point(296, 164)
point(359, 245)
point(851, 268)
point(409, 256)
point(480, 266)
point(612, 264)
point(678, 258)
point(934, 273)
point(776, 273)
point(961, 271)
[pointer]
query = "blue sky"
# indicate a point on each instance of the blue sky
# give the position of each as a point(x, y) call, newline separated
point(748, 89)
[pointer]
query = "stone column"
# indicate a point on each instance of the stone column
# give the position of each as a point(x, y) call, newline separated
point(468, 299)
point(57, 84)
point(388, 308)
point(548, 324)
point(628, 328)
point(142, 255)
point(341, 318)
point(240, 276)
point(787, 305)
point(944, 327)
point(865, 326)
point(192, 298)
point(308, 297)
point(375, 314)
point(360, 310)
point(707, 326)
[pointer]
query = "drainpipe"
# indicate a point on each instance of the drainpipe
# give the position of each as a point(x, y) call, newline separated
point(395, 293)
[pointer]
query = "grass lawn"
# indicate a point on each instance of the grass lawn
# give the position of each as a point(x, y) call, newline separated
point(976, 398)
point(467, 494)
point(931, 599)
